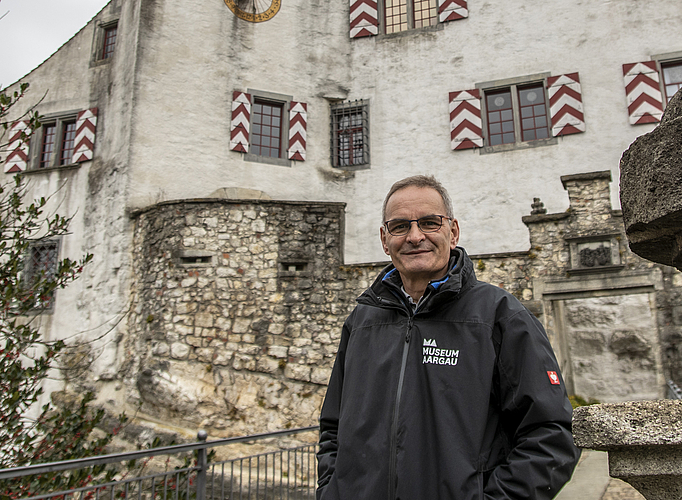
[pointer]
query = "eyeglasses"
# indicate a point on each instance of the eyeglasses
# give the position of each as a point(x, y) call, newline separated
point(427, 224)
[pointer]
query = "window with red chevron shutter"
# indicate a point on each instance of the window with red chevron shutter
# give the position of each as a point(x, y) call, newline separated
point(84, 141)
point(565, 104)
point(465, 119)
point(395, 16)
point(298, 123)
point(241, 119)
point(363, 18)
point(17, 159)
point(643, 92)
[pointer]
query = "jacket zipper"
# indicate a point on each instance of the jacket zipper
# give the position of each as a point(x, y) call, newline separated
point(392, 466)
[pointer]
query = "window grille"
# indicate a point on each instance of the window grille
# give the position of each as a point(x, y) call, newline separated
point(350, 134)
point(42, 264)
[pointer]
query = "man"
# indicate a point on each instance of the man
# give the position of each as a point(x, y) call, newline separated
point(444, 387)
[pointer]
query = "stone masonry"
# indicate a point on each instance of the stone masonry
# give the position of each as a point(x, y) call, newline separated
point(238, 310)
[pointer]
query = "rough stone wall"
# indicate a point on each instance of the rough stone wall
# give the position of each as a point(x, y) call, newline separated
point(238, 310)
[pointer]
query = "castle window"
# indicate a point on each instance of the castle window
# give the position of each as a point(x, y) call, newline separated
point(350, 134)
point(109, 42)
point(56, 142)
point(266, 128)
point(41, 264)
point(516, 114)
point(672, 78)
point(104, 43)
point(401, 15)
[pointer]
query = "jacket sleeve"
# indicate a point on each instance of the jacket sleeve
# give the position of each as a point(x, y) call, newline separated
point(329, 418)
point(535, 413)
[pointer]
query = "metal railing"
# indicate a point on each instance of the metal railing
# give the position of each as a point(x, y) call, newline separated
point(289, 473)
point(674, 391)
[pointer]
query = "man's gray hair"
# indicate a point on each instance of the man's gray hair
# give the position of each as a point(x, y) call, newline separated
point(420, 181)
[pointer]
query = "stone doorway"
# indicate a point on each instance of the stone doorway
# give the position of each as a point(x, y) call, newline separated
point(609, 346)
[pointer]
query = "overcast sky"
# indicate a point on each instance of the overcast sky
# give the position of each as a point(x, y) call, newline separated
point(32, 30)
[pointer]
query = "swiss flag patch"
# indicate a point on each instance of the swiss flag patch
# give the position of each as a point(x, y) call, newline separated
point(553, 378)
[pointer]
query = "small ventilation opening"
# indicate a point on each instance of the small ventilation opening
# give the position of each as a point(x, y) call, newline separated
point(293, 266)
point(201, 259)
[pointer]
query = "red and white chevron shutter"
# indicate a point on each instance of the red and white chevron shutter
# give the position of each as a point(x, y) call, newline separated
point(565, 104)
point(17, 160)
point(298, 121)
point(452, 10)
point(84, 143)
point(363, 18)
point(465, 119)
point(645, 102)
point(241, 119)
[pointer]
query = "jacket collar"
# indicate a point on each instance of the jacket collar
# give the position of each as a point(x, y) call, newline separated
point(386, 287)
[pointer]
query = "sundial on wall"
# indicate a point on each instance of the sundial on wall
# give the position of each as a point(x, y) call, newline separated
point(255, 11)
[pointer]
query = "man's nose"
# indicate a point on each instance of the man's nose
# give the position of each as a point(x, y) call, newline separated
point(414, 235)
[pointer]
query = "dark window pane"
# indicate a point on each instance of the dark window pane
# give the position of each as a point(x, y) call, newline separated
point(507, 115)
point(495, 128)
point(508, 138)
point(67, 146)
point(47, 150)
point(494, 116)
point(534, 113)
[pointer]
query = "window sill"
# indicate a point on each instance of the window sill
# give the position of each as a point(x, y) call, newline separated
point(267, 159)
point(410, 32)
point(500, 148)
point(71, 166)
point(596, 269)
point(353, 168)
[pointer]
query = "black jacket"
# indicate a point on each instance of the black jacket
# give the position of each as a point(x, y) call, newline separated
point(461, 399)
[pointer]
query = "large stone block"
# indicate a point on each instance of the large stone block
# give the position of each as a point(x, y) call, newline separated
point(644, 441)
point(651, 190)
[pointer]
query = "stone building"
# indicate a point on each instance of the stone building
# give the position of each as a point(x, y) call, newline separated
point(226, 166)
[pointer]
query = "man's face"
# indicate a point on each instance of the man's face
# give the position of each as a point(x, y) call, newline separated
point(417, 255)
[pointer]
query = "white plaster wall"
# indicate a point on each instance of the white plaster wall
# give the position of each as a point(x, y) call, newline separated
point(93, 193)
point(195, 54)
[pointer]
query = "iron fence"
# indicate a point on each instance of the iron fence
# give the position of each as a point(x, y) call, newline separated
point(281, 474)
point(674, 392)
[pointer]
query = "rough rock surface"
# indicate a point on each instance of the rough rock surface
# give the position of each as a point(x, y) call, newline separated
point(634, 423)
point(651, 190)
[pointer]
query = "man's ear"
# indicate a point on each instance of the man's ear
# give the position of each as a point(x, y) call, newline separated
point(383, 235)
point(454, 234)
